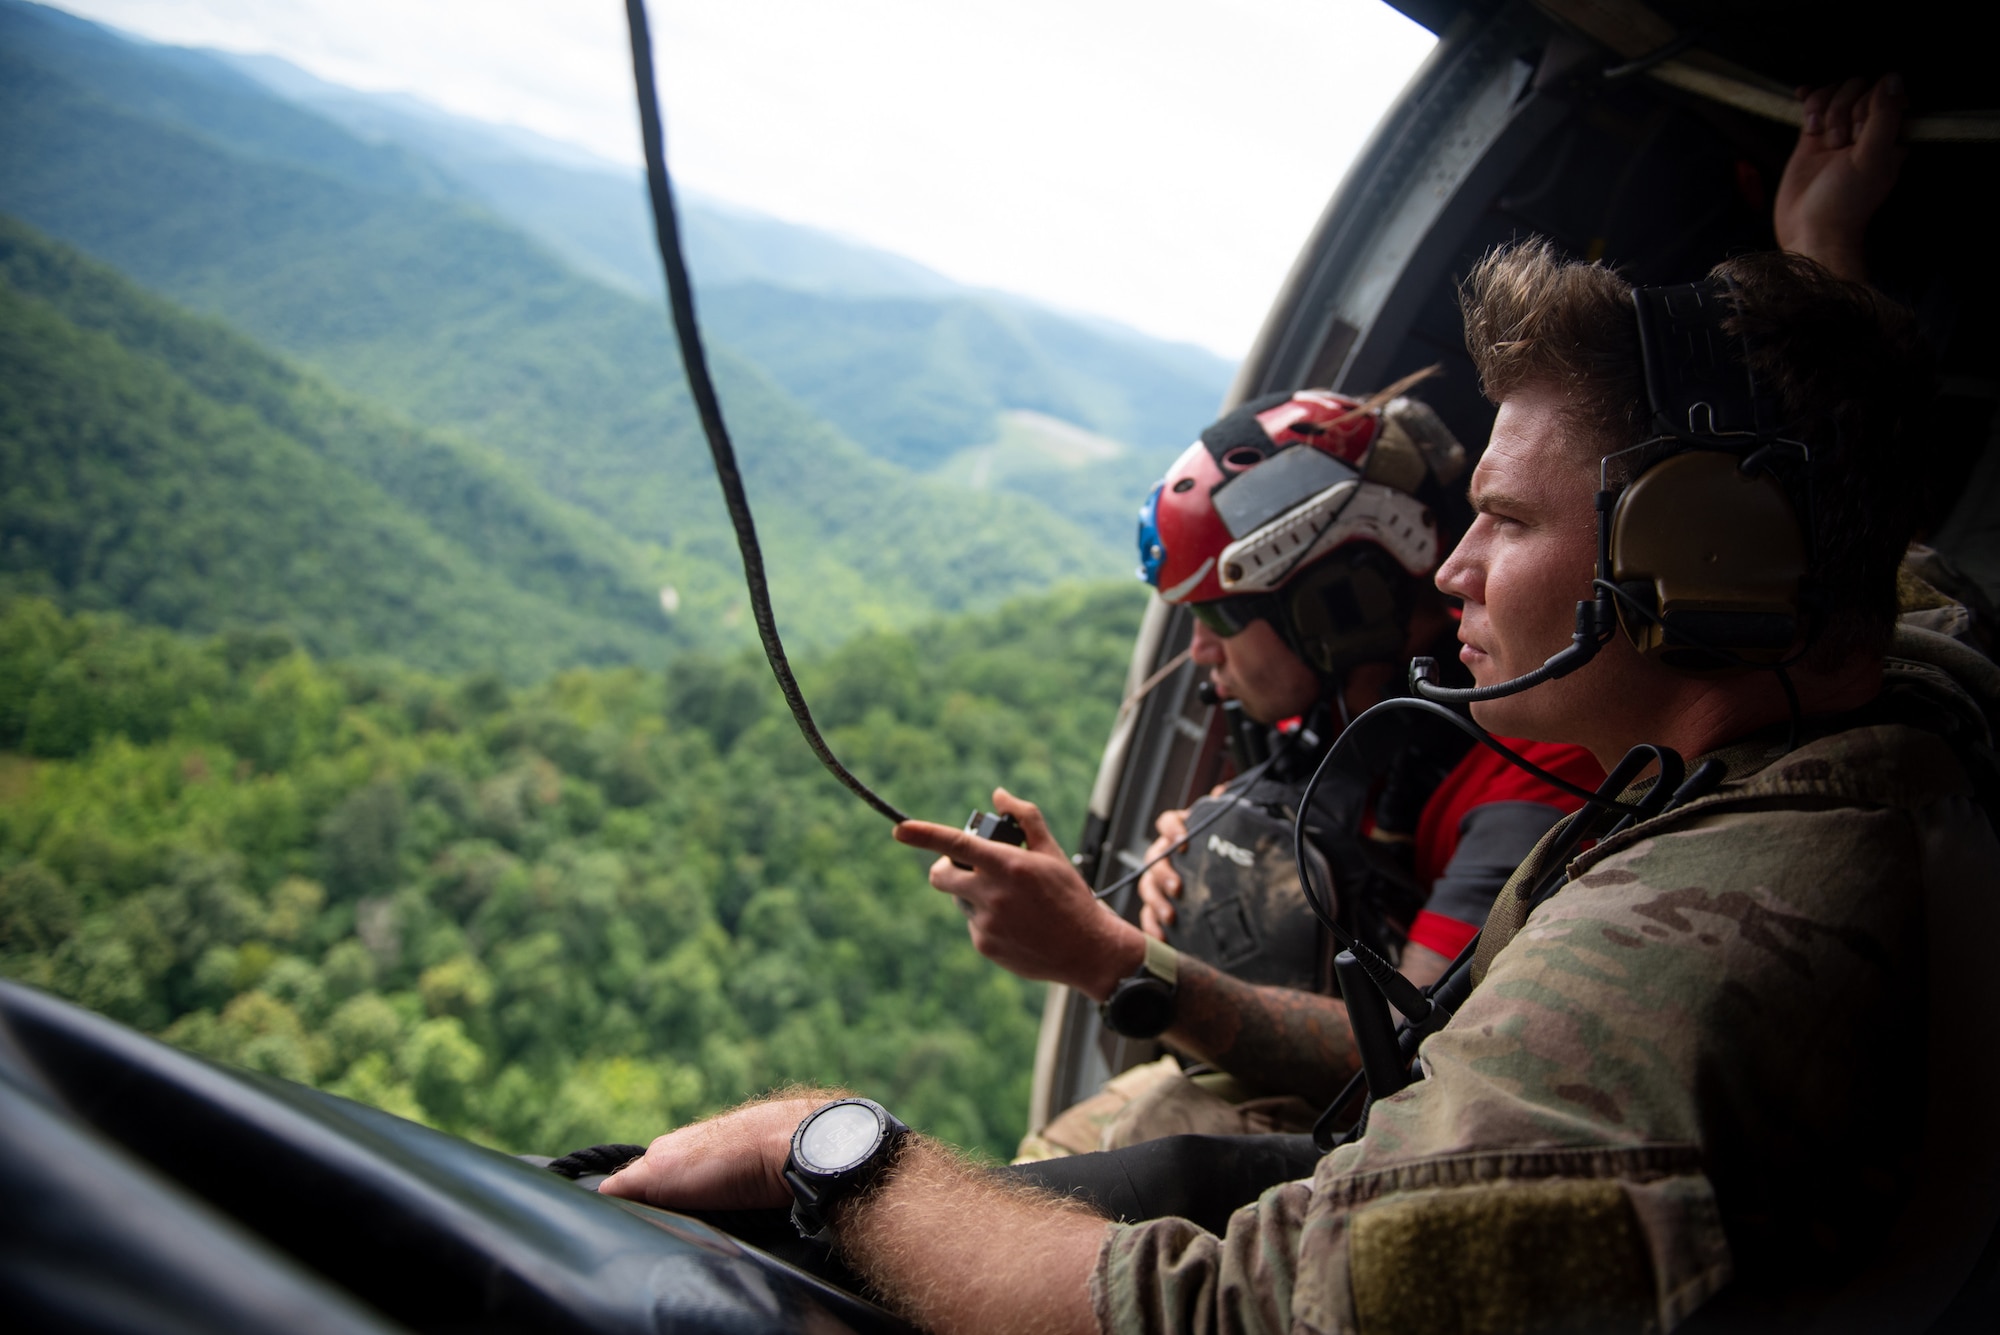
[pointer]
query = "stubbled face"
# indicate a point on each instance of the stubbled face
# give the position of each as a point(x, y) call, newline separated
point(1523, 566)
point(1256, 667)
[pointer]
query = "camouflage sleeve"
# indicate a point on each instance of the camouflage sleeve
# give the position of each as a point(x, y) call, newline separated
point(1683, 996)
point(1168, 1275)
point(1486, 1242)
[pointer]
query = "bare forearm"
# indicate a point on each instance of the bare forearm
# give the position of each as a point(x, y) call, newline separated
point(1272, 1038)
point(956, 1250)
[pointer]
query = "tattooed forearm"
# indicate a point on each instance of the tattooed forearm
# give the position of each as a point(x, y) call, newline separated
point(1271, 1038)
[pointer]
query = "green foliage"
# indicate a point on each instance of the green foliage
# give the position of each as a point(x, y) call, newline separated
point(919, 378)
point(158, 464)
point(550, 916)
point(906, 362)
point(542, 914)
point(427, 304)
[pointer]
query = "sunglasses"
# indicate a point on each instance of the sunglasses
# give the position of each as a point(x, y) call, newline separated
point(1228, 617)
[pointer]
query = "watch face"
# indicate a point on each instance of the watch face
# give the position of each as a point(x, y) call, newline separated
point(840, 1136)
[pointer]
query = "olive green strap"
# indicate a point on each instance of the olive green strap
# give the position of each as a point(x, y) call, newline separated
point(1510, 906)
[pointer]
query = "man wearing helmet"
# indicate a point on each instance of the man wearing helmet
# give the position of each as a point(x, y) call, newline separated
point(1300, 531)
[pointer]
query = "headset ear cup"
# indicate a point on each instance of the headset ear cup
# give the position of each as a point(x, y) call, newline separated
point(1349, 609)
point(1712, 553)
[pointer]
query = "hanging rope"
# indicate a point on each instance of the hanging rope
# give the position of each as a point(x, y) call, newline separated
point(680, 298)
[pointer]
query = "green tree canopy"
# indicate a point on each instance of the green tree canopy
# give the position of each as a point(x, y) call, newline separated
point(549, 916)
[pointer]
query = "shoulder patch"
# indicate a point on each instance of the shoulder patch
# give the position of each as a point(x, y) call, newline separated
point(1563, 1255)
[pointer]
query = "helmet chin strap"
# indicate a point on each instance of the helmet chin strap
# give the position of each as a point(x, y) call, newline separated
point(1596, 622)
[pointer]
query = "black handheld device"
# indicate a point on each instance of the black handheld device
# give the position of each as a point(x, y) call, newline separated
point(1000, 829)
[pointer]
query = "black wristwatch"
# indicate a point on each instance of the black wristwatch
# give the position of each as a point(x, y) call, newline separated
point(1142, 1006)
point(837, 1150)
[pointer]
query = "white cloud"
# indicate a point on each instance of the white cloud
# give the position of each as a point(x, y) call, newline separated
point(1159, 162)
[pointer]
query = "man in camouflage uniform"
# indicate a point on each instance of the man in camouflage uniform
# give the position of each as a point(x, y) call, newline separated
point(1735, 1074)
point(1675, 1073)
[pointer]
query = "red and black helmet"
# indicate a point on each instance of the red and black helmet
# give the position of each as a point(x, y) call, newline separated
point(1276, 488)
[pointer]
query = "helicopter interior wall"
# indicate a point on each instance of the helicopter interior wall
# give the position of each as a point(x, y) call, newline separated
point(1177, 748)
point(1664, 185)
point(1675, 198)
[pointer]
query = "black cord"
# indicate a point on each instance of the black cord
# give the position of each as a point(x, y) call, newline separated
point(1404, 995)
point(595, 1159)
point(1635, 762)
point(680, 297)
point(1478, 734)
point(1249, 778)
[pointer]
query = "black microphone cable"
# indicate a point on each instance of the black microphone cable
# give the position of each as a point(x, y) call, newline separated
point(680, 297)
point(1409, 999)
point(1249, 780)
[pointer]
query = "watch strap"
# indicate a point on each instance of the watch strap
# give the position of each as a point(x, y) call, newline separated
point(810, 1207)
point(1142, 1005)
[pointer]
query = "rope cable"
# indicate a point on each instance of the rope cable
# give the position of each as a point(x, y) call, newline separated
point(1145, 688)
point(680, 298)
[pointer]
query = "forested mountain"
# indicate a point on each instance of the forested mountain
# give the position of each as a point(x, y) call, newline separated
point(592, 212)
point(158, 463)
point(923, 377)
point(311, 505)
point(354, 259)
point(550, 917)
point(905, 361)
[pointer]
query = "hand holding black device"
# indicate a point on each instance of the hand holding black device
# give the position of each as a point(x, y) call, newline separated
point(1000, 829)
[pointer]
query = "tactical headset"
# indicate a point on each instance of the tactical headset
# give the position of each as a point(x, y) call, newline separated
point(1703, 559)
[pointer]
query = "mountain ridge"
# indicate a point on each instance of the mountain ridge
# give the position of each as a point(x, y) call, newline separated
point(161, 465)
point(425, 303)
point(813, 308)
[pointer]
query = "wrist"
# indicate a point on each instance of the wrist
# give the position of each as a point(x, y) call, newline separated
point(1123, 953)
point(1842, 256)
point(1144, 1002)
point(848, 1216)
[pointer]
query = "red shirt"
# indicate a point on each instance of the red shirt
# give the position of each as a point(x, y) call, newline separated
point(1479, 778)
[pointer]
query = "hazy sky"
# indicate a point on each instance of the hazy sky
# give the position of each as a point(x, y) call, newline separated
point(1156, 162)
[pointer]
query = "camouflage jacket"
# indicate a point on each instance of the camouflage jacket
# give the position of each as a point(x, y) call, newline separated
point(1723, 1051)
